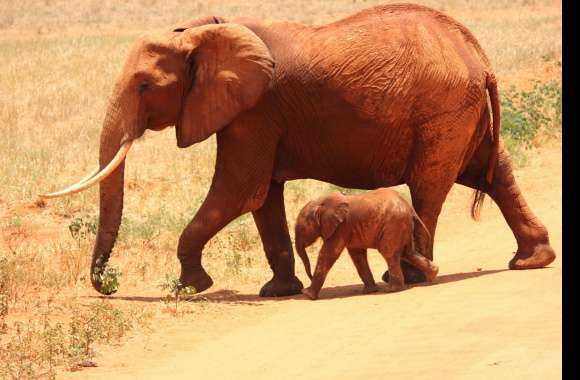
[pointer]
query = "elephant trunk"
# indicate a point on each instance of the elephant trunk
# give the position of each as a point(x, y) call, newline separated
point(301, 250)
point(110, 195)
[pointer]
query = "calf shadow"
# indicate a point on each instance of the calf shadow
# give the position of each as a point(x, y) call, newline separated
point(346, 291)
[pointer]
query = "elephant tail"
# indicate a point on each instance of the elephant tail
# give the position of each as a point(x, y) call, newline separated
point(422, 237)
point(491, 86)
point(495, 110)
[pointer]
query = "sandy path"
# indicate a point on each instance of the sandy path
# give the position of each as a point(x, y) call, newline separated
point(478, 321)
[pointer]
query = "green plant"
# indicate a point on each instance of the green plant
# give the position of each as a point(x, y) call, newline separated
point(175, 290)
point(174, 286)
point(53, 349)
point(525, 114)
point(81, 228)
point(102, 322)
point(16, 221)
point(37, 347)
point(20, 357)
point(109, 279)
point(344, 190)
point(234, 262)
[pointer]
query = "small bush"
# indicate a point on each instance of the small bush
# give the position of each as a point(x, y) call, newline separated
point(81, 228)
point(36, 348)
point(101, 323)
point(175, 290)
point(526, 114)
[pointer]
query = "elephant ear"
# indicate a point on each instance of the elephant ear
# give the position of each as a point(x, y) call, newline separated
point(199, 22)
point(230, 68)
point(330, 216)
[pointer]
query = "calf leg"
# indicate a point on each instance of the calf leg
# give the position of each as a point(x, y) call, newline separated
point(360, 261)
point(328, 255)
point(396, 278)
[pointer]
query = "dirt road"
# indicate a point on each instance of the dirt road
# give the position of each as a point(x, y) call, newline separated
point(477, 321)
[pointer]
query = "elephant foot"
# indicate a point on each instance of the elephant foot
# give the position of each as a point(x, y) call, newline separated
point(392, 288)
point(412, 275)
point(310, 293)
point(196, 278)
point(281, 288)
point(368, 289)
point(538, 257)
point(433, 270)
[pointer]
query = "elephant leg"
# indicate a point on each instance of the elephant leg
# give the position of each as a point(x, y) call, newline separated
point(433, 171)
point(240, 184)
point(328, 255)
point(396, 278)
point(428, 198)
point(273, 228)
point(534, 250)
point(214, 214)
point(361, 263)
point(429, 269)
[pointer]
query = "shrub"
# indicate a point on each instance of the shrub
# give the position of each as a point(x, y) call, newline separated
point(527, 114)
point(37, 347)
point(173, 286)
point(80, 228)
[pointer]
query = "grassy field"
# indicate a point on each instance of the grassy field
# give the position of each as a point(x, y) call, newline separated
point(59, 62)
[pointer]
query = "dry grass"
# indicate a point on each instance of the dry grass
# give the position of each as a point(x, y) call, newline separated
point(59, 61)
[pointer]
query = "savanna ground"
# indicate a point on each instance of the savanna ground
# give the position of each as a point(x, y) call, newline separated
point(59, 60)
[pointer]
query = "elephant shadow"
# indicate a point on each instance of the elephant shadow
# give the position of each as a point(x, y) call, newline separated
point(224, 296)
point(234, 297)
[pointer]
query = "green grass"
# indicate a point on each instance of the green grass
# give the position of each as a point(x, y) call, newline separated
point(526, 115)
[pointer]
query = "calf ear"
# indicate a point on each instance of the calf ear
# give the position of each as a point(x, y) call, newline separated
point(330, 218)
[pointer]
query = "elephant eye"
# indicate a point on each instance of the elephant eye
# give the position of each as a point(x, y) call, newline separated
point(143, 87)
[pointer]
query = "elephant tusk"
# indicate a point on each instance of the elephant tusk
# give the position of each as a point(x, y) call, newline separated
point(83, 180)
point(90, 175)
point(91, 179)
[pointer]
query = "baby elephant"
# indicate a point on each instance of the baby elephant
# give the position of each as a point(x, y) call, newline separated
point(379, 219)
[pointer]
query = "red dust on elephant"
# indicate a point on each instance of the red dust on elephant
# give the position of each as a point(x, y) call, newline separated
point(395, 94)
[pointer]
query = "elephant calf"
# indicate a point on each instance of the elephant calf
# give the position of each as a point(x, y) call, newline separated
point(379, 219)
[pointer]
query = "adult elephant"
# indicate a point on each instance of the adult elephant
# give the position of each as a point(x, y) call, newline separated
point(394, 94)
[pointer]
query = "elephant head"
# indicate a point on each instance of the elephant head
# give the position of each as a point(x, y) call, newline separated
point(319, 218)
point(196, 79)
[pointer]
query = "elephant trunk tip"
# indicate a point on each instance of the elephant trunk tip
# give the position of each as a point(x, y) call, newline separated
point(104, 290)
point(301, 250)
point(104, 281)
